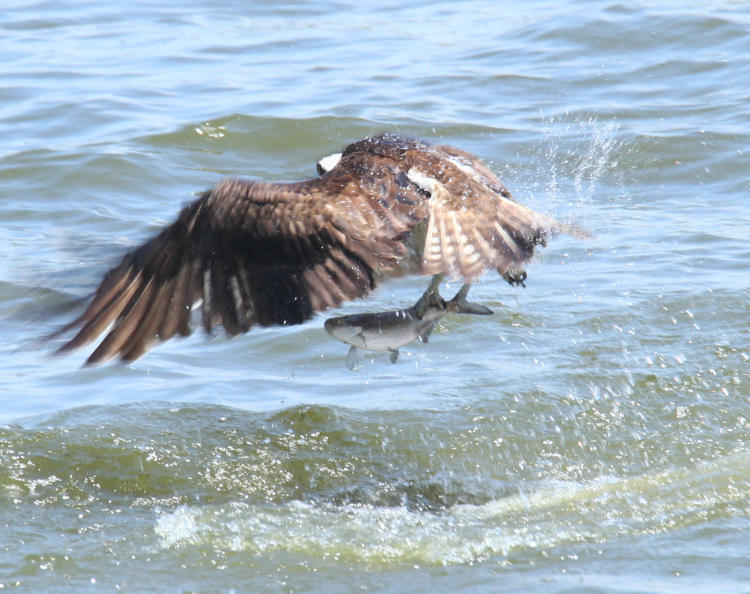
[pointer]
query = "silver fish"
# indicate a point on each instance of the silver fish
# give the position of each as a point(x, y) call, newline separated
point(389, 330)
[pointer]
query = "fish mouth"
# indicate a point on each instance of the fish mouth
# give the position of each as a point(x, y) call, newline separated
point(340, 329)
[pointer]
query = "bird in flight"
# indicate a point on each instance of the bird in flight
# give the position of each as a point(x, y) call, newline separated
point(253, 252)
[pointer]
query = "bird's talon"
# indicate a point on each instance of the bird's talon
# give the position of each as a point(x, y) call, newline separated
point(515, 278)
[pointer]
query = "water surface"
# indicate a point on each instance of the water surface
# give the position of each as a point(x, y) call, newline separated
point(591, 436)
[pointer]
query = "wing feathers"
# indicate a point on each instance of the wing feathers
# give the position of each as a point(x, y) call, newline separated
point(104, 310)
point(177, 313)
point(186, 289)
point(145, 333)
point(470, 233)
point(125, 326)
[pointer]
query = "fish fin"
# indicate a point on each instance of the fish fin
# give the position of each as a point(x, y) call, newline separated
point(353, 357)
point(394, 355)
point(425, 336)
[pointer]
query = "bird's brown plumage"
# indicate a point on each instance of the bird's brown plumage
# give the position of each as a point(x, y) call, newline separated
point(274, 253)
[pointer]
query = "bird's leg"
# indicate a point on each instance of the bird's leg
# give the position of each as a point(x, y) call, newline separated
point(431, 296)
point(459, 304)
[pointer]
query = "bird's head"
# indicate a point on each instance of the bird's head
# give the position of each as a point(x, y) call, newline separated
point(328, 163)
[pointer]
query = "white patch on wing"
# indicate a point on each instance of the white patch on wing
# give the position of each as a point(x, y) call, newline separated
point(508, 241)
point(463, 167)
point(428, 184)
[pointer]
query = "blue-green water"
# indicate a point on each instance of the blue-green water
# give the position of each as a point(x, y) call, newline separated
point(591, 436)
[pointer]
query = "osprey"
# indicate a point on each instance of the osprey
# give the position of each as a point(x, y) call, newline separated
point(257, 252)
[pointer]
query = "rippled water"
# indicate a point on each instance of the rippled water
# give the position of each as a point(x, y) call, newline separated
point(591, 436)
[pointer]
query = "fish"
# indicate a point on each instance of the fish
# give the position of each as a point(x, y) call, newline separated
point(390, 330)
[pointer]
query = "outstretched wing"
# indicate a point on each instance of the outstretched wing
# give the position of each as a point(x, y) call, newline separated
point(264, 253)
point(473, 224)
point(255, 253)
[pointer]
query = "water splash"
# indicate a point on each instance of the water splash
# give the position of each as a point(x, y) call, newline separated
point(551, 514)
point(576, 157)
